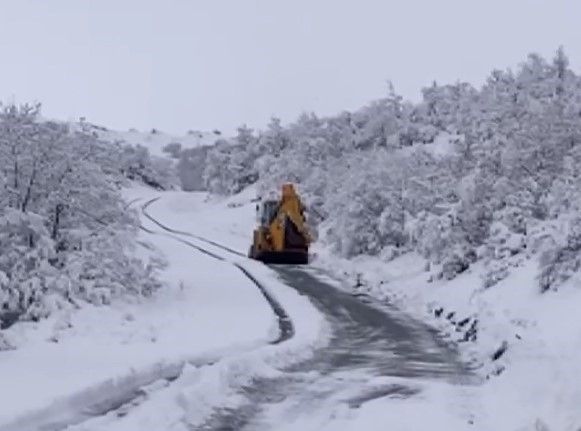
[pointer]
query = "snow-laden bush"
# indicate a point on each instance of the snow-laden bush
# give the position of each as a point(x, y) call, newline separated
point(561, 258)
point(365, 204)
point(503, 244)
point(230, 166)
point(174, 149)
point(136, 163)
point(433, 235)
point(457, 260)
point(190, 168)
point(101, 267)
point(26, 273)
point(65, 234)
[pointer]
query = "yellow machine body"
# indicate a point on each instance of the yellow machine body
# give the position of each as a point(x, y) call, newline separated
point(282, 235)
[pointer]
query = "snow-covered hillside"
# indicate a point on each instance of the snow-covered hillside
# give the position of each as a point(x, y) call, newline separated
point(154, 140)
point(183, 158)
point(524, 344)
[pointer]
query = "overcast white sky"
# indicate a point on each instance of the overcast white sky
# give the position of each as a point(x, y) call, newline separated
point(179, 65)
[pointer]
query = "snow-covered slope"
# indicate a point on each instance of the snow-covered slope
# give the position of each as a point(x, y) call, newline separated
point(525, 344)
point(155, 140)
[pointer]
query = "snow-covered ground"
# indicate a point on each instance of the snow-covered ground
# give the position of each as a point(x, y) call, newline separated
point(230, 221)
point(534, 382)
point(227, 221)
point(82, 361)
point(200, 391)
point(527, 345)
point(216, 322)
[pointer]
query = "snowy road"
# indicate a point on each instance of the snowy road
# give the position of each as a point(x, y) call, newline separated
point(230, 295)
point(285, 325)
point(370, 346)
point(347, 362)
point(375, 353)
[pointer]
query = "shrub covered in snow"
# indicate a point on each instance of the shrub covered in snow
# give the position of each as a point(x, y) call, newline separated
point(65, 234)
point(137, 164)
point(25, 269)
point(561, 259)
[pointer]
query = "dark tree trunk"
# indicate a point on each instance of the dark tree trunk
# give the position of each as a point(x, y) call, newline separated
point(57, 219)
point(28, 194)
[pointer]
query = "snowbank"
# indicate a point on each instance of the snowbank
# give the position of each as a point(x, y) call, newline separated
point(523, 343)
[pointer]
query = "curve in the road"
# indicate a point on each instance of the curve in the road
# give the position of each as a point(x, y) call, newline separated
point(369, 340)
point(285, 324)
point(180, 232)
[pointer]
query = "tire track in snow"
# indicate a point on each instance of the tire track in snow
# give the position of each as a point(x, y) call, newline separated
point(285, 325)
point(375, 353)
point(179, 232)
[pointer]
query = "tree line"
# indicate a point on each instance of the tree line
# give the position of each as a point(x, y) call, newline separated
point(467, 174)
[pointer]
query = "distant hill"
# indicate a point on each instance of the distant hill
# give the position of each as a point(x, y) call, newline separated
point(155, 140)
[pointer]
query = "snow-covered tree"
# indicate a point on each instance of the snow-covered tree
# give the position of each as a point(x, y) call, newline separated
point(65, 234)
point(465, 174)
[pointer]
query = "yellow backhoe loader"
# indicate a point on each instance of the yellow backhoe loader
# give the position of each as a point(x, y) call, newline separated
point(282, 235)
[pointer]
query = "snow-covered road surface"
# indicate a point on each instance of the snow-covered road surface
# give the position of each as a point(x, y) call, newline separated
point(285, 325)
point(198, 391)
point(375, 355)
point(352, 363)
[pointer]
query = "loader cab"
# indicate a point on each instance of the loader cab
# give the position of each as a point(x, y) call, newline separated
point(267, 211)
